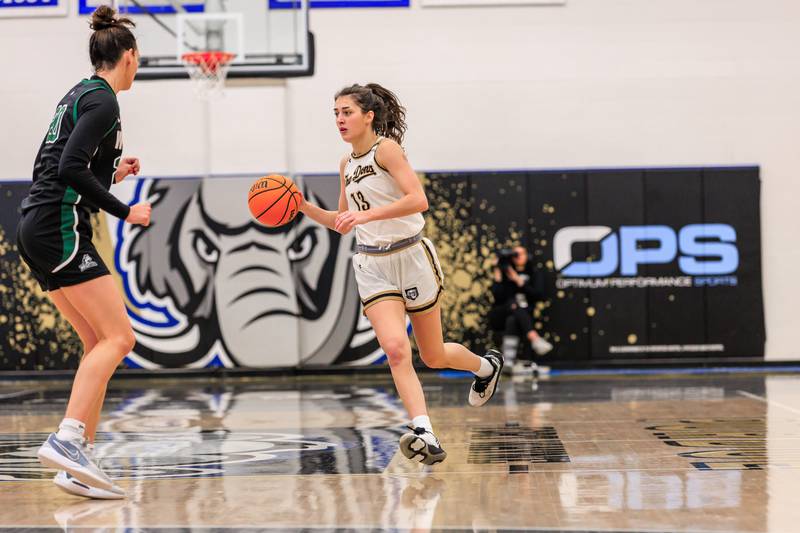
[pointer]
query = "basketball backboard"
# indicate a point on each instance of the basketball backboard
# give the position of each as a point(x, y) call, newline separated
point(267, 43)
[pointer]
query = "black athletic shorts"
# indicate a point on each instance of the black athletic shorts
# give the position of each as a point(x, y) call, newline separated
point(56, 243)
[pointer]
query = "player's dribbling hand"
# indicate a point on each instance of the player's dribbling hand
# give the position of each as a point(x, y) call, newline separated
point(140, 214)
point(126, 167)
point(347, 220)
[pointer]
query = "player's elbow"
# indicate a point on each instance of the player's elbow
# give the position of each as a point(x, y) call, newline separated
point(64, 174)
point(66, 170)
point(422, 204)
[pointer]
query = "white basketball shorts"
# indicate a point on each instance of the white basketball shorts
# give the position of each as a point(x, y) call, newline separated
point(411, 275)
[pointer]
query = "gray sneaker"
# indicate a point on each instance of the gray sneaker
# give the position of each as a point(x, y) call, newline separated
point(71, 485)
point(70, 456)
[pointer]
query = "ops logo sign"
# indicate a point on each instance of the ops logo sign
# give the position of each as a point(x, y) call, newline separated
point(701, 249)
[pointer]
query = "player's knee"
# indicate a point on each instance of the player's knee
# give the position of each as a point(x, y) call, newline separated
point(124, 341)
point(130, 341)
point(398, 350)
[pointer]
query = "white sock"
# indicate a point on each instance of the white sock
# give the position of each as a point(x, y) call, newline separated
point(71, 429)
point(422, 421)
point(485, 370)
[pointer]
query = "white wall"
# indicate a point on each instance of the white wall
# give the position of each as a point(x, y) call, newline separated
point(594, 83)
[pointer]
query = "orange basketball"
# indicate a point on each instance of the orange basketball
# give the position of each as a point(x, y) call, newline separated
point(274, 200)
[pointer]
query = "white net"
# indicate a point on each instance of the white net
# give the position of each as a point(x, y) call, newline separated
point(207, 45)
point(207, 70)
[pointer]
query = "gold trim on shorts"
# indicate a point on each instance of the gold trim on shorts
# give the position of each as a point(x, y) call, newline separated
point(381, 296)
point(430, 305)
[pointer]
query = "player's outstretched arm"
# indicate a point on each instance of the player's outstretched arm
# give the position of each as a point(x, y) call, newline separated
point(317, 214)
point(323, 216)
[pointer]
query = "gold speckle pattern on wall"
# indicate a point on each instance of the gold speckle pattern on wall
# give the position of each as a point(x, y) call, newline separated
point(463, 257)
point(37, 336)
point(466, 251)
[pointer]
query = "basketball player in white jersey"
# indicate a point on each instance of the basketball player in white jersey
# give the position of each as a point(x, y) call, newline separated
point(396, 269)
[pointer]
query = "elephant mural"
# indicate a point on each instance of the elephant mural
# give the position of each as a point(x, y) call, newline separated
point(208, 286)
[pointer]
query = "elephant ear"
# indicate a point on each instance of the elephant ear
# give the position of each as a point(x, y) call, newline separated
point(154, 249)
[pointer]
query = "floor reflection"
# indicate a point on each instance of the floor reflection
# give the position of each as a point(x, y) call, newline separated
point(690, 453)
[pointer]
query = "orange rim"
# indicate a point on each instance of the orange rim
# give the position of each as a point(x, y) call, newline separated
point(208, 61)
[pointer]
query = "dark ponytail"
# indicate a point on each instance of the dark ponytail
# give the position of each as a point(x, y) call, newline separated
point(111, 38)
point(390, 116)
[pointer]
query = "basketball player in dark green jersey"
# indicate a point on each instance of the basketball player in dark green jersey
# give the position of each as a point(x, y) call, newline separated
point(78, 161)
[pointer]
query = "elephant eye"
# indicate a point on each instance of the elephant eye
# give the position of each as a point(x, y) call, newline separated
point(303, 245)
point(205, 248)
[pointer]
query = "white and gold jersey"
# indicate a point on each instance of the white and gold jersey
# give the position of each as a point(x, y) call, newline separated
point(369, 185)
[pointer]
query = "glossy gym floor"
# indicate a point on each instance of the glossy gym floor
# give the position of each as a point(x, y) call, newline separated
point(668, 452)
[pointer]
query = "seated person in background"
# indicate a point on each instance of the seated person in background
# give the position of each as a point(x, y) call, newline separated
point(516, 289)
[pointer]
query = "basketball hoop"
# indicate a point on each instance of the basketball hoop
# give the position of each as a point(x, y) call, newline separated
point(207, 70)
